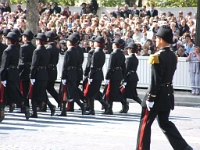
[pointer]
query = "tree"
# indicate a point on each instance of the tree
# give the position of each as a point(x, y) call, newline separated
point(173, 3)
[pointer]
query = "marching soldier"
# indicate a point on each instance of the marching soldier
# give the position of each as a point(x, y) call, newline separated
point(95, 76)
point(131, 77)
point(159, 99)
point(115, 74)
point(39, 74)
point(69, 75)
point(10, 74)
point(26, 53)
point(79, 72)
point(52, 66)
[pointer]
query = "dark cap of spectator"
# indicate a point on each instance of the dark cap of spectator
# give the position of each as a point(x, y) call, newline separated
point(12, 35)
point(189, 13)
point(63, 42)
point(165, 33)
point(41, 36)
point(92, 38)
point(132, 45)
point(73, 39)
point(28, 33)
point(99, 39)
point(6, 31)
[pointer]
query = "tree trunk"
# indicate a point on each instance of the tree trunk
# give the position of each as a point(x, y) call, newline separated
point(32, 15)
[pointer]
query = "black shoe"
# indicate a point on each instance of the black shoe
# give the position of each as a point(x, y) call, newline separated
point(70, 110)
point(53, 110)
point(109, 112)
point(90, 112)
point(63, 114)
point(126, 108)
point(12, 107)
point(26, 112)
point(34, 115)
point(188, 147)
point(121, 111)
point(83, 108)
point(1, 114)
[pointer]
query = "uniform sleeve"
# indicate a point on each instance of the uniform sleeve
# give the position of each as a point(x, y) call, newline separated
point(124, 68)
point(155, 79)
point(87, 68)
point(110, 67)
point(127, 69)
point(94, 63)
point(34, 65)
point(65, 66)
point(4, 65)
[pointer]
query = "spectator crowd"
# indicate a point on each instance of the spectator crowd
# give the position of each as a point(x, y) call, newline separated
point(130, 24)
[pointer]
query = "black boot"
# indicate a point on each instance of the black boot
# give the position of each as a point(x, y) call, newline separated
point(1, 114)
point(138, 100)
point(105, 104)
point(34, 108)
point(63, 112)
point(52, 108)
point(12, 107)
point(125, 106)
point(109, 110)
point(25, 109)
point(91, 111)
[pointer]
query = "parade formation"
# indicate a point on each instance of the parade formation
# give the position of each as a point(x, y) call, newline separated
point(29, 72)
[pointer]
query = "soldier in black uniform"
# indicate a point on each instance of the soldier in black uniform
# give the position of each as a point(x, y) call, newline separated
point(79, 71)
point(10, 74)
point(95, 76)
point(2, 46)
point(52, 66)
point(39, 74)
point(131, 77)
point(115, 74)
point(69, 75)
point(159, 99)
point(5, 32)
point(26, 53)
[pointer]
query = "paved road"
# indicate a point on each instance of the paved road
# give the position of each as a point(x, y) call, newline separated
point(77, 132)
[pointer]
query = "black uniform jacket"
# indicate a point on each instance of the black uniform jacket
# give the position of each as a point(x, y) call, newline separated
point(39, 64)
point(131, 68)
point(70, 63)
point(26, 54)
point(2, 48)
point(53, 61)
point(97, 62)
point(79, 68)
point(9, 64)
point(116, 66)
point(89, 60)
point(164, 64)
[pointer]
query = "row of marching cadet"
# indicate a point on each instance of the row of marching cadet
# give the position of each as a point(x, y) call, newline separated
point(29, 72)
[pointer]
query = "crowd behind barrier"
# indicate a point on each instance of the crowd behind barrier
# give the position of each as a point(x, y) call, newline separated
point(129, 23)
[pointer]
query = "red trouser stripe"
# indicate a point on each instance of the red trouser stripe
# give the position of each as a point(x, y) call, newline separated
point(142, 129)
point(1, 93)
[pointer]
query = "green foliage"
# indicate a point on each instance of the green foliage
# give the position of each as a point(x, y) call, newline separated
point(112, 3)
point(173, 3)
point(17, 1)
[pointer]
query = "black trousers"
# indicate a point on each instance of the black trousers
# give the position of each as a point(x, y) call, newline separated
point(168, 128)
point(26, 85)
point(39, 91)
point(12, 93)
point(51, 90)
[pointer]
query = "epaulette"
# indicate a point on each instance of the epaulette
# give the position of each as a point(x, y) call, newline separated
point(153, 59)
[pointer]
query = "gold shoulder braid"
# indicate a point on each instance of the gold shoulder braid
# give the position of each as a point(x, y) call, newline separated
point(153, 59)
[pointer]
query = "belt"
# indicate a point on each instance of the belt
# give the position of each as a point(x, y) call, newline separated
point(41, 67)
point(71, 67)
point(50, 65)
point(98, 69)
point(12, 67)
point(27, 63)
point(116, 68)
point(132, 71)
point(167, 84)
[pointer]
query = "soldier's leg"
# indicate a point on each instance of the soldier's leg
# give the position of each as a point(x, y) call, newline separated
point(170, 130)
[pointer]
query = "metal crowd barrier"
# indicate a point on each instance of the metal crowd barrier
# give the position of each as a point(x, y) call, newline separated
point(181, 78)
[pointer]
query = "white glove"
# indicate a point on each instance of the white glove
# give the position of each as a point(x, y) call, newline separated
point(64, 81)
point(107, 81)
point(124, 83)
point(149, 105)
point(32, 81)
point(84, 77)
point(90, 80)
point(4, 83)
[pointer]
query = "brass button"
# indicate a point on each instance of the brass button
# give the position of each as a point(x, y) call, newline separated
point(168, 94)
point(167, 85)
